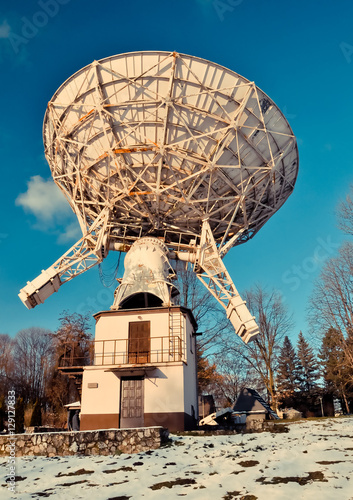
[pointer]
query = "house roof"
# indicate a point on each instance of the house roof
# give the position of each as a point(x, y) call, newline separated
point(250, 401)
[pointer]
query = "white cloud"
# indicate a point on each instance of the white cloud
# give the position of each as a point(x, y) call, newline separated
point(5, 29)
point(72, 233)
point(53, 214)
point(44, 200)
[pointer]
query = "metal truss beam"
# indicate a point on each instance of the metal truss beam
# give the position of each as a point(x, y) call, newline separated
point(84, 254)
point(211, 271)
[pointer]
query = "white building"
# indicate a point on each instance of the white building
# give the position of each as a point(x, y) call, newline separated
point(144, 370)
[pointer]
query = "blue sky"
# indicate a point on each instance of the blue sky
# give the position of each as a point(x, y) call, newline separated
point(299, 53)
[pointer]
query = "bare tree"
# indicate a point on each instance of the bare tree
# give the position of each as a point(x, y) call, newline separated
point(72, 345)
point(6, 363)
point(236, 375)
point(238, 364)
point(274, 324)
point(73, 341)
point(34, 361)
point(331, 303)
point(345, 213)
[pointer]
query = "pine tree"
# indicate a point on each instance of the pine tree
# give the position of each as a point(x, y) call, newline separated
point(308, 366)
point(287, 373)
point(337, 372)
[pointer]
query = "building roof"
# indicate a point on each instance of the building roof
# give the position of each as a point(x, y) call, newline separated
point(250, 401)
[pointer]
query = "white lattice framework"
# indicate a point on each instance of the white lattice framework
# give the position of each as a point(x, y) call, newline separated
point(162, 142)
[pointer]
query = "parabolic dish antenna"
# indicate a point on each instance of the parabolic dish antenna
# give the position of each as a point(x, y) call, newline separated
point(170, 146)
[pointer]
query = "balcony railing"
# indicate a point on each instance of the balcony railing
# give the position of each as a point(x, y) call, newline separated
point(123, 352)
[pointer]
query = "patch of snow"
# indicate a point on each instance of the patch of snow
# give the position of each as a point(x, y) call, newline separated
point(265, 465)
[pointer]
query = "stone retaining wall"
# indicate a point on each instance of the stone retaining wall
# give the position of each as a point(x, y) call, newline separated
point(102, 442)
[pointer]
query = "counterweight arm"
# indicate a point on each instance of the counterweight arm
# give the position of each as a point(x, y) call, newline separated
point(84, 254)
point(212, 272)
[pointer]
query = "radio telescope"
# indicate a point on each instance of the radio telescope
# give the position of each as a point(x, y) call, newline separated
point(168, 146)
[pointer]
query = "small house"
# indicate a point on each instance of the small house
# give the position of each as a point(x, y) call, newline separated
point(250, 402)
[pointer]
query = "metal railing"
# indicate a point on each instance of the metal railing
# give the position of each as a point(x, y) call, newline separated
point(123, 352)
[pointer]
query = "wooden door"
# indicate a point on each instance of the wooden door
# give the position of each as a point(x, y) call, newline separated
point(131, 405)
point(139, 342)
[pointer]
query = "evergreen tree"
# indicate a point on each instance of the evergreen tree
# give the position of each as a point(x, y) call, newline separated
point(308, 366)
point(337, 372)
point(287, 374)
point(19, 416)
point(36, 418)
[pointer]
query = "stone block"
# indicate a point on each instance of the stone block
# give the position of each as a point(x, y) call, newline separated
point(74, 447)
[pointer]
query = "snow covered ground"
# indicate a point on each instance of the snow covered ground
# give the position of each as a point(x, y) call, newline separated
point(314, 460)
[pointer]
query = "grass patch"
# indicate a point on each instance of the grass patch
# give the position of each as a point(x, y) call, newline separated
point(329, 462)
point(170, 484)
point(231, 494)
point(312, 476)
point(76, 482)
point(249, 463)
point(79, 472)
point(278, 428)
point(121, 469)
point(121, 497)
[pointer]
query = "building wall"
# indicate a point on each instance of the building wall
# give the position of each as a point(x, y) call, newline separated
point(115, 324)
point(113, 328)
point(100, 405)
point(164, 396)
